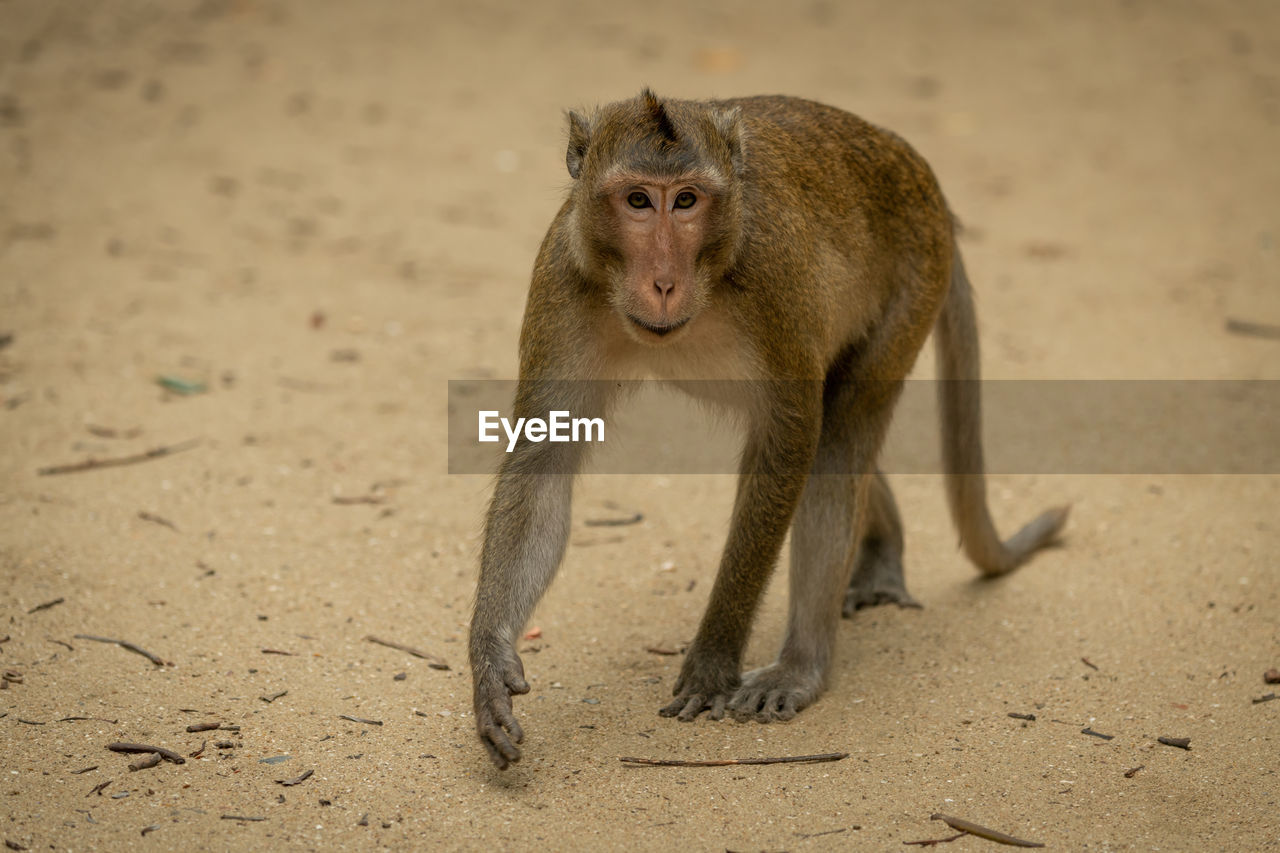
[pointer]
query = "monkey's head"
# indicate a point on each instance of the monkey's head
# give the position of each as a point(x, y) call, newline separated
point(656, 206)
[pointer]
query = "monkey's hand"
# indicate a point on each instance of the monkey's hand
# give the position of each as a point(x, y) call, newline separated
point(705, 684)
point(497, 679)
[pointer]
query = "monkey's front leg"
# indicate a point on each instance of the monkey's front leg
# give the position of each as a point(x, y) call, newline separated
point(525, 536)
point(824, 538)
point(774, 472)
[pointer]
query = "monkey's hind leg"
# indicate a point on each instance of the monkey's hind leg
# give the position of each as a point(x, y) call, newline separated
point(877, 574)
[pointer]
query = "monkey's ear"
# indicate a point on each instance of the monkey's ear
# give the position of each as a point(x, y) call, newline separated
point(579, 136)
point(728, 124)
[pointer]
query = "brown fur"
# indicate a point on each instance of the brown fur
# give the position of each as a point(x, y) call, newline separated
point(779, 242)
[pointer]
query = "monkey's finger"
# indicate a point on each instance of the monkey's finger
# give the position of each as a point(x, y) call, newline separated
point(500, 746)
point(695, 706)
point(516, 684)
point(717, 708)
point(685, 707)
point(502, 752)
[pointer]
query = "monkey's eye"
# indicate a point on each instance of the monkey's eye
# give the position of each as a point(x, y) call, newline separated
point(685, 200)
point(638, 200)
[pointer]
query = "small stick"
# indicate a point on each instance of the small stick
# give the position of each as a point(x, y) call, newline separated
point(1133, 771)
point(125, 644)
point(614, 522)
point(203, 727)
point(279, 652)
point(92, 463)
point(271, 697)
point(30, 722)
point(658, 650)
point(167, 754)
point(1179, 742)
point(241, 817)
point(828, 832)
point(143, 763)
point(83, 770)
point(432, 661)
point(1089, 663)
point(199, 752)
point(68, 646)
point(1257, 330)
point(931, 842)
point(1089, 731)
point(157, 519)
point(1018, 716)
point(359, 720)
point(109, 432)
point(97, 789)
point(298, 780)
point(77, 719)
point(46, 606)
point(1266, 697)
point(962, 825)
point(725, 762)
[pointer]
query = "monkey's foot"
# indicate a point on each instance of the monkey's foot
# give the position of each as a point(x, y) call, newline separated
point(775, 693)
point(877, 582)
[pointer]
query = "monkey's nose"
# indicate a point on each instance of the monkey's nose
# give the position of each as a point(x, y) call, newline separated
point(663, 286)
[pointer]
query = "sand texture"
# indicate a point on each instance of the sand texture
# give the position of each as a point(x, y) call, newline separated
point(314, 214)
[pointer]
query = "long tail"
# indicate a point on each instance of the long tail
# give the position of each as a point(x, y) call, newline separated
point(960, 404)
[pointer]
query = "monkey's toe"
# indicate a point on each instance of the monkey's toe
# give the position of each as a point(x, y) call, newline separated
point(774, 694)
point(856, 599)
point(875, 583)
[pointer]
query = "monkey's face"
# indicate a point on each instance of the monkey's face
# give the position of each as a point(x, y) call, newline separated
point(660, 227)
point(656, 207)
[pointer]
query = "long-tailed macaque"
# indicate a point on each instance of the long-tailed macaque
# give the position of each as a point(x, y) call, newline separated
point(805, 254)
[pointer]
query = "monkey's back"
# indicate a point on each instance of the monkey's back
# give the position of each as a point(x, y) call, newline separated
point(847, 198)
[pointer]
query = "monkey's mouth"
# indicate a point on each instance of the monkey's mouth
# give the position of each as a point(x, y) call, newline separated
point(659, 329)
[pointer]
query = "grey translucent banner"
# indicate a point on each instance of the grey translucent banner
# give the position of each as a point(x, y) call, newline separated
point(1029, 426)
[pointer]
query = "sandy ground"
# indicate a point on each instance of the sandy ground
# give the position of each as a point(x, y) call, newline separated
point(325, 210)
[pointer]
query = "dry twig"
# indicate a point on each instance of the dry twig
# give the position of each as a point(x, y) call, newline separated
point(93, 463)
point(1256, 330)
point(125, 644)
point(166, 754)
point(46, 606)
point(725, 762)
point(614, 522)
point(959, 823)
point(432, 661)
point(297, 780)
